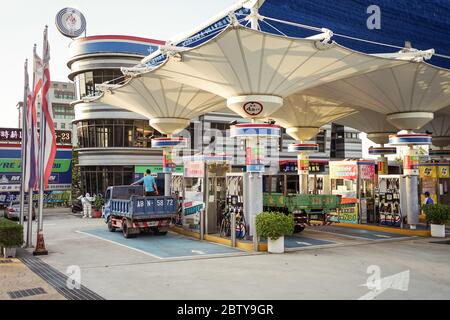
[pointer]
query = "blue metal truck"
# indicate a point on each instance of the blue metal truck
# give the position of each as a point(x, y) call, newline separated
point(127, 208)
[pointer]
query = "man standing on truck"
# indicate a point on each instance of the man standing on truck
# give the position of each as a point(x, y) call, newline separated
point(151, 189)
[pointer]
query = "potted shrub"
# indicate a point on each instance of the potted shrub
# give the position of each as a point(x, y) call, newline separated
point(99, 202)
point(438, 215)
point(11, 237)
point(274, 226)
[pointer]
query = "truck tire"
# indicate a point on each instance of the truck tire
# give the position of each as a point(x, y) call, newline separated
point(126, 233)
point(110, 226)
point(158, 232)
point(298, 228)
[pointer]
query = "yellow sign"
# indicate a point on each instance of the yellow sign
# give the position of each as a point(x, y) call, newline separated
point(444, 172)
point(428, 171)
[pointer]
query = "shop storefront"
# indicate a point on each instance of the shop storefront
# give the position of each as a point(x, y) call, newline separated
point(354, 181)
point(435, 179)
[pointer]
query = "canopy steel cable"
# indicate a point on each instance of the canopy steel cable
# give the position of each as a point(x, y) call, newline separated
point(303, 26)
point(280, 32)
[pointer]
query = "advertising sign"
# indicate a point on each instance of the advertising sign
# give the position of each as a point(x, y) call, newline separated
point(168, 163)
point(194, 169)
point(339, 170)
point(11, 171)
point(443, 171)
point(70, 22)
point(411, 164)
point(428, 171)
point(367, 171)
point(303, 166)
point(253, 108)
point(14, 135)
point(254, 159)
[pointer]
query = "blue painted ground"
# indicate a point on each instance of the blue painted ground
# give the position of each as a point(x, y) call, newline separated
point(165, 247)
point(361, 233)
point(302, 242)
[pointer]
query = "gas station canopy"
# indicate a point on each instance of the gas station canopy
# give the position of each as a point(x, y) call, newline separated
point(242, 65)
point(407, 94)
point(440, 128)
point(169, 105)
point(303, 116)
point(373, 123)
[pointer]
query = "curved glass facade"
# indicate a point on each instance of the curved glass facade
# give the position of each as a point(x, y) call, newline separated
point(85, 83)
point(115, 133)
point(96, 179)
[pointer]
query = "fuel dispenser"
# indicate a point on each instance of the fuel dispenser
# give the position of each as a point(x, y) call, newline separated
point(204, 191)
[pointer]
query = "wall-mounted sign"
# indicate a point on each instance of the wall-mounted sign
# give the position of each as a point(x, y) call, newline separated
point(14, 135)
point(71, 22)
point(253, 108)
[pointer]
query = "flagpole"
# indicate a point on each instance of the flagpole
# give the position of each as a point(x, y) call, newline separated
point(24, 143)
point(29, 240)
point(40, 244)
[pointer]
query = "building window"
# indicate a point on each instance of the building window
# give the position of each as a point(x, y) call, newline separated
point(321, 140)
point(86, 82)
point(63, 111)
point(96, 180)
point(111, 133)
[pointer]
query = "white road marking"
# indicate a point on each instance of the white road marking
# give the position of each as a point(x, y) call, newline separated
point(198, 252)
point(304, 243)
point(381, 236)
point(119, 244)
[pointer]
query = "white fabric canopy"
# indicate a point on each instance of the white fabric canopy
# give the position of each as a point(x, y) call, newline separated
point(411, 87)
point(440, 128)
point(368, 121)
point(307, 113)
point(241, 61)
point(162, 99)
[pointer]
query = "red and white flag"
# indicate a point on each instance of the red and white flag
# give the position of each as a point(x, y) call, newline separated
point(32, 145)
point(48, 145)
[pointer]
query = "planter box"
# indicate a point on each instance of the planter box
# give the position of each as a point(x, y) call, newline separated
point(9, 253)
point(96, 214)
point(438, 230)
point(276, 246)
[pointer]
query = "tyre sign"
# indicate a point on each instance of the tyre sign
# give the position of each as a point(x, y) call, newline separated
point(70, 22)
point(253, 108)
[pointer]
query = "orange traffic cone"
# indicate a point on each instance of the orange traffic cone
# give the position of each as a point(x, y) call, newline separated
point(40, 245)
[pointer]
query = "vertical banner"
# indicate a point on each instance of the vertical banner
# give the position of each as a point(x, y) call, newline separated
point(254, 157)
point(383, 168)
point(411, 163)
point(169, 165)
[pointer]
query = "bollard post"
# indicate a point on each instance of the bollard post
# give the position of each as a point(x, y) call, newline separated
point(202, 225)
point(255, 239)
point(233, 228)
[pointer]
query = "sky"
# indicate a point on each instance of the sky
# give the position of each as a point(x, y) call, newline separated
point(22, 23)
point(20, 29)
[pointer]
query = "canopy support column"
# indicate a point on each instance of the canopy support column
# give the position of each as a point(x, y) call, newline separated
point(303, 151)
point(254, 135)
point(411, 171)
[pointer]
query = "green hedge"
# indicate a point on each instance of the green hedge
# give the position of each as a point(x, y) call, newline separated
point(274, 225)
point(11, 234)
point(437, 213)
